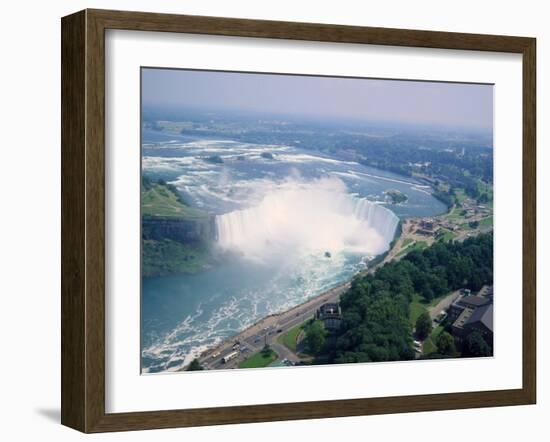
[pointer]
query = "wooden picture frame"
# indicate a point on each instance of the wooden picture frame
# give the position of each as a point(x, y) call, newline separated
point(83, 220)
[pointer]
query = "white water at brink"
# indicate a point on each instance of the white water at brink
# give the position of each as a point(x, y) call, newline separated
point(296, 218)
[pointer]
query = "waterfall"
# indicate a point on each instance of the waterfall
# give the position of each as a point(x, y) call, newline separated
point(315, 217)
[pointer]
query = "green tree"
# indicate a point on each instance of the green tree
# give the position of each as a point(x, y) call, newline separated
point(483, 198)
point(475, 346)
point(315, 337)
point(376, 308)
point(445, 344)
point(195, 365)
point(266, 351)
point(423, 326)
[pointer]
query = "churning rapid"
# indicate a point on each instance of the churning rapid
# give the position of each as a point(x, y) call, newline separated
point(308, 217)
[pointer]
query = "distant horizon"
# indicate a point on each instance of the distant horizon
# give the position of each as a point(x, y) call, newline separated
point(306, 118)
point(357, 100)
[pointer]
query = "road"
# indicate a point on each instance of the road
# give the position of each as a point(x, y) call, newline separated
point(471, 233)
point(284, 352)
point(252, 339)
point(443, 304)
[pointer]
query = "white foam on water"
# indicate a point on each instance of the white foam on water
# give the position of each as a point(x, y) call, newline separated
point(384, 178)
point(297, 218)
point(291, 281)
point(302, 158)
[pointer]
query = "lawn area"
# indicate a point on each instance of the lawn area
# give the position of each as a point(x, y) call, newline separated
point(447, 236)
point(436, 332)
point(407, 241)
point(417, 307)
point(259, 360)
point(160, 200)
point(456, 214)
point(429, 347)
point(405, 246)
point(289, 339)
point(418, 245)
point(402, 252)
point(429, 344)
point(486, 221)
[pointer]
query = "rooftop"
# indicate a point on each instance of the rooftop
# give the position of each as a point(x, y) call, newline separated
point(330, 308)
point(474, 301)
point(484, 315)
point(463, 318)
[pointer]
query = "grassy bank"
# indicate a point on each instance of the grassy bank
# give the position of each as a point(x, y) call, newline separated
point(259, 360)
point(417, 307)
point(173, 232)
point(163, 200)
point(290, 338)
point(417, 245)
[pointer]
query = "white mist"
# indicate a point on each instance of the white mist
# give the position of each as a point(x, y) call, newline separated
point(296, 218)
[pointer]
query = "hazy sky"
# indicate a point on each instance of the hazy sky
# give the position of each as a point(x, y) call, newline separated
point(383, 100)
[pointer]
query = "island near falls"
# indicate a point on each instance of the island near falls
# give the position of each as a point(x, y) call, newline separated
point(176, 238)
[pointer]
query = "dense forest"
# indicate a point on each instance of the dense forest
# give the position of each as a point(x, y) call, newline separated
point(375, 309)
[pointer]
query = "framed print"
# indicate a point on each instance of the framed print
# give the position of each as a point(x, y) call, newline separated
point(269, 220)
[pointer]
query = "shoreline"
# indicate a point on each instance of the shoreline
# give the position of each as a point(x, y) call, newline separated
point(303, 311)
point(269, 322)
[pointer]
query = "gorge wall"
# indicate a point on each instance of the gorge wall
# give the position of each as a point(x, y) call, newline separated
point(185, 231)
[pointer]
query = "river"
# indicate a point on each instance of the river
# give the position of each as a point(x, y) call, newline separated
point(300, 221)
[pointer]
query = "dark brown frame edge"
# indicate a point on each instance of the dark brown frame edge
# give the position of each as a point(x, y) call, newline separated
point(83, 217)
